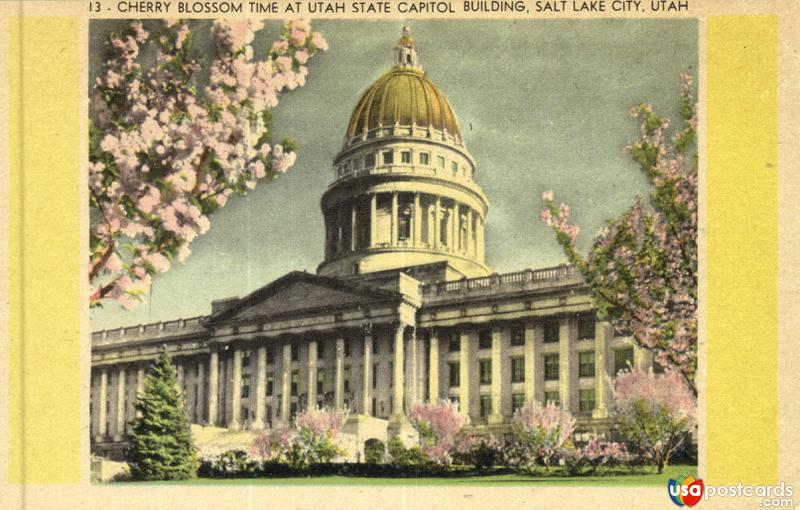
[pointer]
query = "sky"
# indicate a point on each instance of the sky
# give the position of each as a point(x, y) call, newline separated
point(542, 106)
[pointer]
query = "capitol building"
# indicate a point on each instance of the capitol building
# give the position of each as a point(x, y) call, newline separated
point(404, 307)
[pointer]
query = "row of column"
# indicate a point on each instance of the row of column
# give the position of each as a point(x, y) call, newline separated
point(468, 240)
point(409, 375)
point(533, 381)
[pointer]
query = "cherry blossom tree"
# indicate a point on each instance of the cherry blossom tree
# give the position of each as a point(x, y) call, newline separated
point(166, 151)
point(539, 433)
point(313, 440)
point(654, 412)
point(642, 267)
point(438, 424)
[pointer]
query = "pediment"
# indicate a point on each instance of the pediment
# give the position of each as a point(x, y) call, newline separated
point(297, 293)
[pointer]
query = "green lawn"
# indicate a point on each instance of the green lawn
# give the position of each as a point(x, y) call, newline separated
point(648, 478)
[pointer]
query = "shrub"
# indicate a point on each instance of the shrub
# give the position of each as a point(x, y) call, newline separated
point(313, 440)
point(539, 433)
point(595, 455)
point(400, 455)
point(654, 412)
point(480, 451)
point(437, 425)
point(161, 446)
point(374, 451)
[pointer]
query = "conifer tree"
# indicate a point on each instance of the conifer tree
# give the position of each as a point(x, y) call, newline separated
point(161, 446)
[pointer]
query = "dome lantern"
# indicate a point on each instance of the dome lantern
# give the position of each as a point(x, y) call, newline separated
point(407, 55)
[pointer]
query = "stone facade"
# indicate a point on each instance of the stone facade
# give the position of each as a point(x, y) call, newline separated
point(403, 309)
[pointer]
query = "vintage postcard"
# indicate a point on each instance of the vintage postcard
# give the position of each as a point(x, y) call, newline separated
point(399, 254)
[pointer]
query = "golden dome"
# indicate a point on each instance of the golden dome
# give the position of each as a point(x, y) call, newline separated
point(403, 96)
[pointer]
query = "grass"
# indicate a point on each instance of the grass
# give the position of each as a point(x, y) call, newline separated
point(647, 478)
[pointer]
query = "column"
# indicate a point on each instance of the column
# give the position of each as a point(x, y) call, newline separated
point(200, 404)
point(394, 218)
point(339, 388)
point(102, 406)
point(286, 383)
point(433, 371)
point(236, 390)
point(498, 356)
point(464, 375)
point(456, 232)
point(532, 333)
point(410, 372)
point(353, 226)
point(397, 398)
point(373, 220)
point(479, 239)
point(119, 431)
point(565, 379)
point(94, 390)
point(367, 388)
point(642, 358)
point(417, 220)
point(312, 374)
point(179, 369)
point(437, 223)
point(261, 387)
point(470, 245)
point(602, 337)
point(191, 394)
point(139, 381)
point(213, 386)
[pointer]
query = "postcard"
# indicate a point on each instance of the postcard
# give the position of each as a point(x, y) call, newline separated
point(399, 254)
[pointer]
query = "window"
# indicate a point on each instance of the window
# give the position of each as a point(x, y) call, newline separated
point(374, 376)
point(440, 161)
point(369, 161)
point(586, 364)
point(485, 339)
point(391, 374)
point(518, 369)
point(486, 405)
point(270, 384)
point(347, 348)
point(375, 346)
point(586, 400)
point(320, 382)
point(454, 342)
point(585, 328)
point(485, 370)
point(454, 374)
point(270, 355)
point(295, 382)
point(405, 157)
point(404, 223)
point(295, 352)
point(517, 401)
point(293, 410)
point(424, 158)
point(390, 403)
point(245, 359)
point(357, 164)
point(320, 350)
point(454, 167)
point(551, 367)
point(551, 332)
point(623, 358)
point(552, 396)
point(347, 379)
point(374, 407)
point(517, 335)
point(388, 157)
point(245, 393)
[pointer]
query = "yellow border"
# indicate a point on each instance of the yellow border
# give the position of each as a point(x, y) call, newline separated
point(44, 241)
point(741, 250)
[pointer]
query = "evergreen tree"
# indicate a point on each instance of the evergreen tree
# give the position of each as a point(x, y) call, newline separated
point(161, 446)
